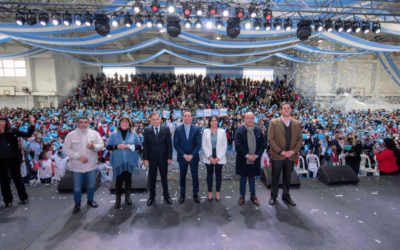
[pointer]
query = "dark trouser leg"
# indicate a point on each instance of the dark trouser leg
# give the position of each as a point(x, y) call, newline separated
point(210, 173)
point(5, 182)
point(252, 186)
point(355, 166)
point(243, 180)
point(90, 178)
point(153, 179)
point(164, 178)
point(78, 181)
point(127, 179)
point(45, 180)
point(183, 167)
point(218, 176)
point(15, 171)
point(119, 180)
point(287, 175)
point(276, 172)
point(194, 166)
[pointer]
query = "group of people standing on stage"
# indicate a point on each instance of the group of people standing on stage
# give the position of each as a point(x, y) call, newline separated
point(82, 144)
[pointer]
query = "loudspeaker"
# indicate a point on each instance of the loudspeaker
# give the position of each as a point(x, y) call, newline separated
point(66, 184)
point(331, 175)
point(138, 182)
point(266, 173)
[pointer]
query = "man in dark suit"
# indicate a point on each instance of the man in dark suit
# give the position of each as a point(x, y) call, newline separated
point(187, 141)
point(250, 145)
point(285, 139)
point(157, 152)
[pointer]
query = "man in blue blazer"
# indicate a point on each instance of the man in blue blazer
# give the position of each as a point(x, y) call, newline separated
point(187, 141)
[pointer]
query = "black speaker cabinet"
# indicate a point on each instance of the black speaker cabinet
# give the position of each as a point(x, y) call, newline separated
point(266, 173)
point(66, 184)
point(331, 175)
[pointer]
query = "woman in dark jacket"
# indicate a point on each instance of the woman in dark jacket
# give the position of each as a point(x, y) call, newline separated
point(11, 159)
point(352, 150)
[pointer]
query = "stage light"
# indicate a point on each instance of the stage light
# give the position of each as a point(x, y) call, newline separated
point(155, 6)
point(101, 24)
point(67, 20)
point(304, 30)
point(31, 20)
point(139, 22)
point(128, 21)
point(115, 22)
point(339, 26)
point(267, 26)
point(348, 27)
point(257, 25)
point(233, 28)
point(267, 14)
point(43, 19)
point(198, 24)
point(171, 7)
point(376, 28)
point(318, 26)
point(212, 9)
point(356, 27)
point(278, 24)
point(199, 10)
point(209, 24)
point(149, 22)
point(225, 12)
point(173, 26)
point(136, 7)
point(160, 22)
point(78, 20)
point(186, 9)
point(247, 24)
point(188, 24)
point(328, 25)
point(239, 12)
point(288, 25)
point(19, 19)
point(253, 11)
point(88, 20)
point(365, 27)
point(218, 24)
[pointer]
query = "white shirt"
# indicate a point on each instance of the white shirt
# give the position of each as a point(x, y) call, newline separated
point(286, 123)
point(154, 128)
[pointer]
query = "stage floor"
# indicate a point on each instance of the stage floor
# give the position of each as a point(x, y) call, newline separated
point(362, 216)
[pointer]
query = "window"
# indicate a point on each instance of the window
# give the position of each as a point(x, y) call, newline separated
point(189, 70)
point(258, 74)
point(12, 68)
point(110, 71)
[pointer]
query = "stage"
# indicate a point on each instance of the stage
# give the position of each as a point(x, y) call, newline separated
point(362, 216)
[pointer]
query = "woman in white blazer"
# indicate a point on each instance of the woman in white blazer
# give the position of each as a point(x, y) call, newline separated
point(214, 144)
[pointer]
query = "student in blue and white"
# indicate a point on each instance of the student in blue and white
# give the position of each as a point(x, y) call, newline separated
point(124, 143)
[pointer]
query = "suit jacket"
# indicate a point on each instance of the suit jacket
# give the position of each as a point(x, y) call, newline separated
point(157, 149)
point(222, 144)
point(186, 146)
point(277, 139)
point(242, 149)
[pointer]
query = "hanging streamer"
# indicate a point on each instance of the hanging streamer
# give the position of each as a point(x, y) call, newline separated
point(389, 65)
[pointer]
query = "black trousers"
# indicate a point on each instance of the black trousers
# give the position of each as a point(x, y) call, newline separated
point(163, 168)
point(11, 164)
point(355, 166)
point(218, 176)
point(124, 176)
point(45, 180)
point(286, 166)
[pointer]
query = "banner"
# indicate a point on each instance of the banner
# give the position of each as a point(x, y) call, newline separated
point(223, 112)
point(166, 113)
point(215, 112)
point(200, 113)
point(177, 114)
point(207, 112)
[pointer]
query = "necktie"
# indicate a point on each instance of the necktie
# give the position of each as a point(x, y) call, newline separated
point(157, 131)
point(187, 132)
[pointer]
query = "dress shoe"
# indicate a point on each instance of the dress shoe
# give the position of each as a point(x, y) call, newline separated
point(241, 200)
point(128, 196)
point(196, 199)
point(118, 201)
point(25, 201)
point(150, 200)
point(289, 201)
point(217, 199)
point(272, 201)
point(254, 200)
point(92, 204)
point(9, 204)
point(77, 207)
point(182, 199)
point(167, 199)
